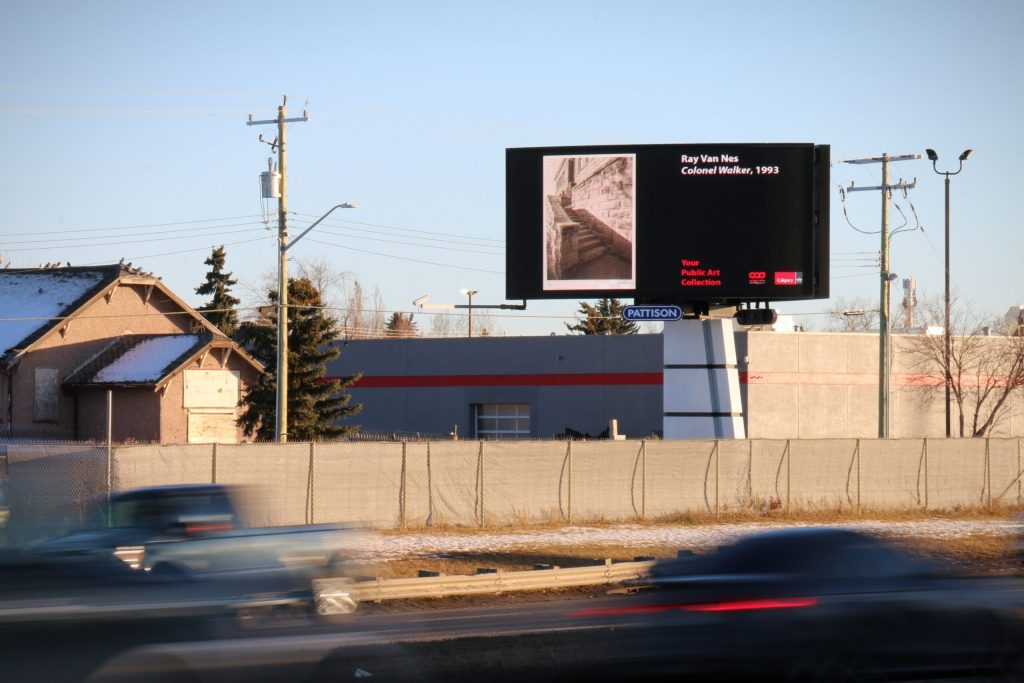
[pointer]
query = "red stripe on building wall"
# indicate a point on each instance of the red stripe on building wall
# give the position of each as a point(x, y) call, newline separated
point(632, 379)
point(541, 380)
point(840, 379)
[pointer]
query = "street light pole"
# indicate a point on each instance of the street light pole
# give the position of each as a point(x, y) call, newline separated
point(421, 303)
point(947, 339)
point(470, 293)
point(281, 418)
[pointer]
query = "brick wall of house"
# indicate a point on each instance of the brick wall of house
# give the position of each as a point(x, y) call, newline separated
point(173, 414)
point(134, 415)
point(86, 335)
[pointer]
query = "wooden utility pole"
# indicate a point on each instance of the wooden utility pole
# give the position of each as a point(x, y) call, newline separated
point(281, 403)
point(886, 278)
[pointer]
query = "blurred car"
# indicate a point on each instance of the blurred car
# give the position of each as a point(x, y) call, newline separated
point(168, 549)
point(815, 604)
point(190, 530)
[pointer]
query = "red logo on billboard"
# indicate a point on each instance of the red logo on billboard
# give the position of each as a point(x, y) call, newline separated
point(789, 278)
point(757, 277)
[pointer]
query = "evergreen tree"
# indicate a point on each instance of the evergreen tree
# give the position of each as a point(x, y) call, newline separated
point(221, 309)
point(604, 318)
point(314, 402)
point(400, 325)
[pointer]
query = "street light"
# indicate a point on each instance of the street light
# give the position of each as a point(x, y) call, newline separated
point(421, 302)
point(470, 293)
point(281, 399)
point(946, 334)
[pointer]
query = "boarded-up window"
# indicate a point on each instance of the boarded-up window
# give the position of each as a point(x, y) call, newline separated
point(47, 395)
point(212, 426)
point(211, 389)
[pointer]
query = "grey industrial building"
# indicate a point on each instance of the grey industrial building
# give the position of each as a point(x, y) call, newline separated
point(506, 386)
point(792, 385)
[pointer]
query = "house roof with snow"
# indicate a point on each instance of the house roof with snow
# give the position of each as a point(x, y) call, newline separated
point(148, 359)
point(36, 301)
point(33, 300)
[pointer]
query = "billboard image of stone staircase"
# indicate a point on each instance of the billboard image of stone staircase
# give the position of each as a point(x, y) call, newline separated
point(589, 222)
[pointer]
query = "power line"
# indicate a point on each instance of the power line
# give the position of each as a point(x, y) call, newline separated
point(412, 244)
point(122, 243)
point(402, 258)
point(130, 227)
point(70, 240)
point(183, 251)
point(118, 113)
point(394, 227)
point(128, 91)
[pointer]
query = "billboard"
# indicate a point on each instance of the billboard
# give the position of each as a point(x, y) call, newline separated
point(715, 223)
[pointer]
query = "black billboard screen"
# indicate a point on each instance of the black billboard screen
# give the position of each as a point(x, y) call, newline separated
point(677, 223)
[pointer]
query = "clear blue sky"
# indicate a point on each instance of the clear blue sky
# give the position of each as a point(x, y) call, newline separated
point(126, 113)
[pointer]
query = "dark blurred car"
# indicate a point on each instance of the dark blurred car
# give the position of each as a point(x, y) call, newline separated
point(123, 524)
point(815, 604)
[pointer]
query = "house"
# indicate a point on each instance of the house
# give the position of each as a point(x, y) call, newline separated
point(72, 338)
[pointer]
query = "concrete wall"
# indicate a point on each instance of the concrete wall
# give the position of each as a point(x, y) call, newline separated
point(825, 385)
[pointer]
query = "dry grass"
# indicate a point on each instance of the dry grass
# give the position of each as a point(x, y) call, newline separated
point(971, 554)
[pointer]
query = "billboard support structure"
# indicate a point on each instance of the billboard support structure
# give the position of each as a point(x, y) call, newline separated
point(698, 226)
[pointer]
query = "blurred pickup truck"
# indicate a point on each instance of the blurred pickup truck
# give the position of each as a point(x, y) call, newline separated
point(194, 533)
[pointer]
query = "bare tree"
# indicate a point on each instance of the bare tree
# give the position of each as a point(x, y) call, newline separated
point(331, 283)
point(362, 316)
point(444, 325)
point(986, 370)
point(457, 324)
point(484, 324)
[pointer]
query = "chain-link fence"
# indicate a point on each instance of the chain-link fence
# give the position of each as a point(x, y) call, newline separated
point(487, 483)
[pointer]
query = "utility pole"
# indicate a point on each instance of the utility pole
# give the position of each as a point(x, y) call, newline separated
point(886, 278)
point(281, 412)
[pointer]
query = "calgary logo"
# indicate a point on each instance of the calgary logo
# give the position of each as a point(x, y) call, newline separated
point(757, 277)
point(789, 278)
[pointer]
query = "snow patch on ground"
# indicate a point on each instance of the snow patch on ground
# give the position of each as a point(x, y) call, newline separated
point(434, 543)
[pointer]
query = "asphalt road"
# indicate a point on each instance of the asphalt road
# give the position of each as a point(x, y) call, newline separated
point(536, 641)
point(392, 646)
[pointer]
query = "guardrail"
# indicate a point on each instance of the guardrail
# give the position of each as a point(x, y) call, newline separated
point(340, 596)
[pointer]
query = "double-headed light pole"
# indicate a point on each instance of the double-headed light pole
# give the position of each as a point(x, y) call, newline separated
point(283, 245)
point(947, 341)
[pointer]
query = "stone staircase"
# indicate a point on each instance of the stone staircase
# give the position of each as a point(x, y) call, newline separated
point(590, 244)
